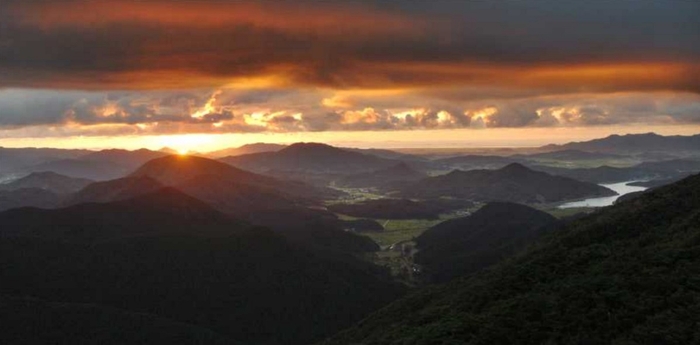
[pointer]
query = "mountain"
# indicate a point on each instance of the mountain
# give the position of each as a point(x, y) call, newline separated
point(115, 190)
point(29, 197)
point(280, 205)
point(33, 321)
point(178, 170)
point(169, 255)
point(601, 174)
point(399, 208)
point(389, 154)
point(99, 166)
point(668, 169)
point(246, 149)
point(626, 274)
point(570, 155)
point(127, 160)
point(471, 162)
point(79, 168)
point(310, 158)
point(14, 159)
point(514, 183)
point(461, 246)
point(49, 181)
point(635, 143)
point(385, 178)
point(671, 167)
point(163, 212)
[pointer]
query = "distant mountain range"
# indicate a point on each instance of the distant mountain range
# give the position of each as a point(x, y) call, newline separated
point(635, 143)
point(669, 169)
point(386, 179)
point(624, 274)
point(100, 166)
point(245, 150)
point(514, 183)
point(49, 181)
point(310, 158)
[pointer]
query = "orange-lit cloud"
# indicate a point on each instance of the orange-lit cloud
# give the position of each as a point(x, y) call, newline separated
point(156, 67)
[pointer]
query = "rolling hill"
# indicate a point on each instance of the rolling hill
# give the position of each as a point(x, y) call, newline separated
point(245, 150)
point(384, 179)
point(310, 158)
point(49, 181)
point(514, 183)
point(626, 274)
point(29, 197)
point(280, 205)
point(461, 246)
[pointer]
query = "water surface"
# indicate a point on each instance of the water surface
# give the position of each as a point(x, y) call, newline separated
point(621, 188)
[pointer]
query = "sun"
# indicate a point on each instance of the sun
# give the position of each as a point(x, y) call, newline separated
point(186, 144)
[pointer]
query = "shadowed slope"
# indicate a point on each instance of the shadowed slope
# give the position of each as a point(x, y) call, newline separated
point(625, 274)
point(464, 245)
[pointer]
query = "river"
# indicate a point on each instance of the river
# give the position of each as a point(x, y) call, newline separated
point(621, 188)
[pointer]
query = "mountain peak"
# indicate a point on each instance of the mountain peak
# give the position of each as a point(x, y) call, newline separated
point(301, 147)
point(515, 168)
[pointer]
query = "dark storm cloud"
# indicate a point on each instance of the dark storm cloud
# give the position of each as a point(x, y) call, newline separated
point(157, 44)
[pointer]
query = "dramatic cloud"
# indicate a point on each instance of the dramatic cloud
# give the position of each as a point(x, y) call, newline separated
point(291, 110)
point(553, 45)
point(121, 67)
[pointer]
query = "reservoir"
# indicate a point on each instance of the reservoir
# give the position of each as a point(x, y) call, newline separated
point(621, 188)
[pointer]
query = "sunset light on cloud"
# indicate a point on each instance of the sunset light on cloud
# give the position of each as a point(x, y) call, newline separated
point(266, 70)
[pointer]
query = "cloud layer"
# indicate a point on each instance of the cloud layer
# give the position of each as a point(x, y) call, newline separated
point(221, 66)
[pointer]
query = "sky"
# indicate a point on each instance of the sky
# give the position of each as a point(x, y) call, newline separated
point(209, 74)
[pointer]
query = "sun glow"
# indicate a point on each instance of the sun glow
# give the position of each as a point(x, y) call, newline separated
point(187, 143)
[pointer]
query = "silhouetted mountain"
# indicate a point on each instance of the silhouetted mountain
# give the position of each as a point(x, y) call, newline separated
point(675, 168)
point(160, 213)
point(514, 183)
point(311, 158)
point(79, 168)
point(176, 170)
point(461, 246)
point(657, 183)
point(471, 162)
point(261, 200)
point(115, 190)
point(671, 167)
point(384, 179)
point(49, 181)
point(570, 155)
point(127, 160)
point(635, 143)
point(625, 274)
point(14, 159)
point(389, 154)
point(399, 208)
point(246, 149)
point(29, 197)
point(33, 321)
point(602, 174)
point(175, 257)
